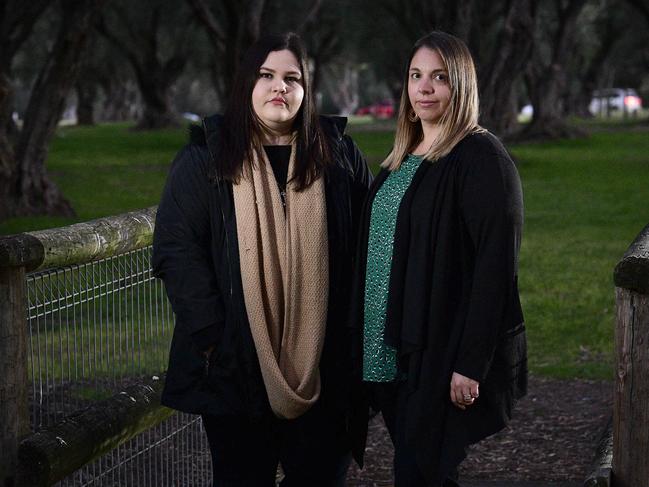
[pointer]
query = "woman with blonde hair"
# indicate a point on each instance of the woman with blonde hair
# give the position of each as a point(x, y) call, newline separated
point(441, 340)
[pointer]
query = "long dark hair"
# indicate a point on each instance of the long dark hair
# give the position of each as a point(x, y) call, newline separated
point(241, 131)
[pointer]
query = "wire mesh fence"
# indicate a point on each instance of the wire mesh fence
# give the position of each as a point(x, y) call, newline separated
point(95, 329)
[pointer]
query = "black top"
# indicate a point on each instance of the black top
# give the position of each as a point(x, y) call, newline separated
point(279, 156)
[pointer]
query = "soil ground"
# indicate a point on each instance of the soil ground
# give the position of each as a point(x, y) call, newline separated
point(550, 442)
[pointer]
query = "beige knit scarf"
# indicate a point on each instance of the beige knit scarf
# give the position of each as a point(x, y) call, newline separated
point(285, 275)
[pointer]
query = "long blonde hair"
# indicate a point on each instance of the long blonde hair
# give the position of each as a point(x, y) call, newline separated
point(461, 116)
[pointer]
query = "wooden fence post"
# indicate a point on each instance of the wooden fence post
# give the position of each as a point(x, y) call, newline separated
point(14, 413)
point(631, 407)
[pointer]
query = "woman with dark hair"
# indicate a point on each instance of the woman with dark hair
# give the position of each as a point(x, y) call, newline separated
point(441, 341)
point(254, 240)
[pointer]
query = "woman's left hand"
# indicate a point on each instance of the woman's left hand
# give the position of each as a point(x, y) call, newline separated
point(464, 391)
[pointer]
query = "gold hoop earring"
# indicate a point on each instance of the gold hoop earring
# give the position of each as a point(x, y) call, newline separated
point(412, 116)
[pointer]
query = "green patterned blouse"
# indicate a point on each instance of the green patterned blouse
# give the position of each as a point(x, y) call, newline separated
point(379, 359)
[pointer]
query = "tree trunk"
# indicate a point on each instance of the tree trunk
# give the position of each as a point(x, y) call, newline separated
point(611, 28)
point(230, 34)
point(157, 111)
point(547, 81)
point(120, 100)
point(155, 90)
point(342, 85)
point(642, 6)
point(514, 46)
point(86, 95)
point(461, 18)
point(581, 101)
point(6, 144)
point(154, 76)
point(27, 189)
point(548, 121)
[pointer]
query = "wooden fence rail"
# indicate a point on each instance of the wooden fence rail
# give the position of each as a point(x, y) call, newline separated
point(48, 456)
point(19, 254)
point(631, 407)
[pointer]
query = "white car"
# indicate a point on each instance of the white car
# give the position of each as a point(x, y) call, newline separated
point(615, 102)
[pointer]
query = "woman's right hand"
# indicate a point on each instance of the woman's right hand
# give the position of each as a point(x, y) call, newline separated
point(464, 391)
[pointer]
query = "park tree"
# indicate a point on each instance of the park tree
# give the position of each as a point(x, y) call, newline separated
point(25, 187)
point(413, 19)
point(231, 27)
point(497, 33)
point(318, 23)
point(500, 70)
point(105, 89)
point(555, 40)
point(543, 51)
point(88, 82)
point(155, 39)
point(602, 30)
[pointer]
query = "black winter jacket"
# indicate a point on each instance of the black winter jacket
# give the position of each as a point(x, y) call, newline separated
point(453, 301)
point(195, 253)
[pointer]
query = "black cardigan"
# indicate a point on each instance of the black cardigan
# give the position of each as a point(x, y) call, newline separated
point(453, 301)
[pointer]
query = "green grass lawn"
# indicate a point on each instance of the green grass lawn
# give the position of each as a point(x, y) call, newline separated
point(585, 202)
point(105, 170)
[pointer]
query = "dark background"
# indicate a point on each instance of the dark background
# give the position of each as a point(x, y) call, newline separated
point(153, 60)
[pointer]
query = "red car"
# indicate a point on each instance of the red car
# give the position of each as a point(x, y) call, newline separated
point(383, 109)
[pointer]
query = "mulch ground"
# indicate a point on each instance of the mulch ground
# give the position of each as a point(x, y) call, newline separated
point(552, 437)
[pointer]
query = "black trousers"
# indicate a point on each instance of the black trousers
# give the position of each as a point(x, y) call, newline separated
point(388, 397)
point(311, 449)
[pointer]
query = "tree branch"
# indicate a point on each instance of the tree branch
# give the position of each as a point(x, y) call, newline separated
point(152, 37)
point(310, 17)
point(254, 12)
point(15, 31)
point(124, 48)
point(642, 7)
point(205, 17)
